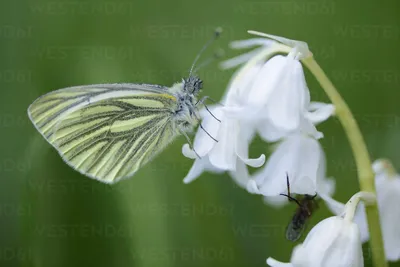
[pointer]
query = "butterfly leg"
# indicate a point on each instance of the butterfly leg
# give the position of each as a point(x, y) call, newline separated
point(201, 126)
point(202, 100)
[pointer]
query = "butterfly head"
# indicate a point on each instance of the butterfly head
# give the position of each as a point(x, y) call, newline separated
point(192, 85)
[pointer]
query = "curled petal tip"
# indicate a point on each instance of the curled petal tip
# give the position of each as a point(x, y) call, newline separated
point(187, 180)
point(258, 162)
point(255, 163)
point(188, 152)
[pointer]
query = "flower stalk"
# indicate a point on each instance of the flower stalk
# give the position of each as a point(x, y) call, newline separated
point(361, 155)
point(351, 205)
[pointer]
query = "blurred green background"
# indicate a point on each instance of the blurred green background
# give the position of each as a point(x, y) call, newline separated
point(51, 215)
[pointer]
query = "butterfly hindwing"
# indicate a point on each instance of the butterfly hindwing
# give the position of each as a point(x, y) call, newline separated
point(106, 132)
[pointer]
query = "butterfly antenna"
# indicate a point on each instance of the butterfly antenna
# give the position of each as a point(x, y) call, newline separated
point(217, 54)
point(201, 101)
point(217, 33)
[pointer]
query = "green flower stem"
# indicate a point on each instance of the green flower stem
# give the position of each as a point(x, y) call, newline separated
point(365, 173)
point(351, 205)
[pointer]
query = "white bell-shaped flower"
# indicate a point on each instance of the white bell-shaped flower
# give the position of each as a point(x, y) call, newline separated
point(223, 141)
point(388, 193)
point(275, 103)
point(286, 95)
point(299, 157)
point(319, 112)
point(387, 183)
point(278, 94)
point(316, 113)
point(360, 219)
point(203, 143)
point(333, 242)
point(213, 156)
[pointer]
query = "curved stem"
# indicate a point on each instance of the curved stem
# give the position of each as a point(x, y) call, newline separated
point(351, 205)
point(365, 173)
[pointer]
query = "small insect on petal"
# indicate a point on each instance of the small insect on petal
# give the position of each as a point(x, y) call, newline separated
point(306, 205)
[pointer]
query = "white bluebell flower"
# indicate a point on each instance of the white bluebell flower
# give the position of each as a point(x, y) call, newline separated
point(223, 141)
point(387, 183)
point(333, 242)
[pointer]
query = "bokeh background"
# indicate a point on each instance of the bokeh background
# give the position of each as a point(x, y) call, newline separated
point(51, 215)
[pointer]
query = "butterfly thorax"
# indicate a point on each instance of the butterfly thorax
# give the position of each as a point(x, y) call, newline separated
point(186, 113)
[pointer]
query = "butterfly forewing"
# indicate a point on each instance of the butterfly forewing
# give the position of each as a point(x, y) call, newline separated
point(48, 109)
point(106, 131)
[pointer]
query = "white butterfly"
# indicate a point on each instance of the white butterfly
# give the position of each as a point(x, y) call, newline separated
point(108, 131)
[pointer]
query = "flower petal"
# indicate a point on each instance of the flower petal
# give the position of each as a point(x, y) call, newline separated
point(255, 163)
point(243, 113)
point(241, 174)
point(319, 112)
point(248, 43)
point(240, 83)
point(287, 100)
point(267, 79)
point(198, 167)
point(239, 60)
point(298, 156)
point(326, 186)
point(334, 242)
point(242, 146)
point(252, 187)
point(203, 143)
point(188, 152)
point(223, 154)
point(276, 201)
point(301, 46)
point(274, 263)
point(388, 199)
point(195, 171)
point(360, 218)
point(269, 132)
point(307, 127)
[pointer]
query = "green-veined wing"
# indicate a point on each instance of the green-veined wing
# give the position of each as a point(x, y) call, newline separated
point(108, 131)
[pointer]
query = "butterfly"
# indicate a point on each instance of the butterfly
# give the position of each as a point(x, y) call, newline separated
point(109, 131)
